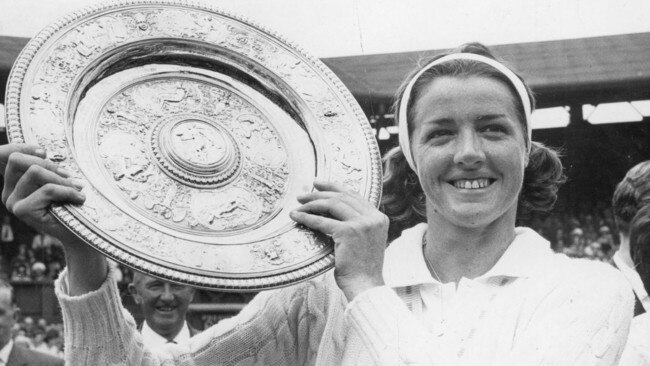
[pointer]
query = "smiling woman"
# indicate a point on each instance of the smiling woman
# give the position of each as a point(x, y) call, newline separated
point(403, 198)
point(469, 149)
point(480, 290)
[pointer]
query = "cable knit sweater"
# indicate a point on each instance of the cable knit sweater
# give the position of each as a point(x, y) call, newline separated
point(533, 307)
point(637, 350)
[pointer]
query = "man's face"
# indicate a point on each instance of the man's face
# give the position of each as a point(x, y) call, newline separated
point(163, 304)
point(7, 316)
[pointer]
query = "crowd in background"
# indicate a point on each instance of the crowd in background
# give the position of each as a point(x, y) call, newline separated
point(37, 260)
point(40, 260)
point(39, 335)
point(588, 232)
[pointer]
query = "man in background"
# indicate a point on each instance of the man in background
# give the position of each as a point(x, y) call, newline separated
point(164, 306)
point(630, 195)
point(10, 354)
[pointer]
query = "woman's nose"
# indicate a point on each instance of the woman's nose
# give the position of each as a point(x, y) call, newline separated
point(469, 149)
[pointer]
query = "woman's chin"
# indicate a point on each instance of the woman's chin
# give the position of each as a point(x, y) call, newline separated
point(475, 215)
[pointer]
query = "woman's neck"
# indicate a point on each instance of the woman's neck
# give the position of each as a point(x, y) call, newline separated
point(456, 251)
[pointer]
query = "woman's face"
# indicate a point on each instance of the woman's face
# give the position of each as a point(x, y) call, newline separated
point(469, 149)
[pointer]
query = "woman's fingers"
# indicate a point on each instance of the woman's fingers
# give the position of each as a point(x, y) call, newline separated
point(33, 195)
point(323, 224)
point(8, 149)
point(322, 185)
point(41, 199)
point(19, 165)
point(336, 211)
point(357, 228)
point(334, 207)
point(34, 178)
point(333, 191)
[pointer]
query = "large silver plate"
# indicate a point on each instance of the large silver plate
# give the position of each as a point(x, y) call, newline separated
point(193, 131)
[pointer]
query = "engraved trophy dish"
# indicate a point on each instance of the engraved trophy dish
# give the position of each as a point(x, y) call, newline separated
point(193, 131)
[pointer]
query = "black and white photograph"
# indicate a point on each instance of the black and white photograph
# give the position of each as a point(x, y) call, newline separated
point(342, 182)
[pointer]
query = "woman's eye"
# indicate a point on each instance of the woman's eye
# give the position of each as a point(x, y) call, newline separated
point(440, 133)
point(495, 129)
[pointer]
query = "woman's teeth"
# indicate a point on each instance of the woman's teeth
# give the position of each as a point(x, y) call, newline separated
point(472, 184)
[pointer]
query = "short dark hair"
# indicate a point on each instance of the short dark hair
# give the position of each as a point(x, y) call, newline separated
point(630, 195)
point(51, 334)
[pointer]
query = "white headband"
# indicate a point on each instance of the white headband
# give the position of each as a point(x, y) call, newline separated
point(404, 141)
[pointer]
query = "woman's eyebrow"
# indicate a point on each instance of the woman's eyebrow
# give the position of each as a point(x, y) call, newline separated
point(439, 121)
point(490, 117)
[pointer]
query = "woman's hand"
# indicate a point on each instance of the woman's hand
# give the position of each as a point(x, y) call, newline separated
point(358, 229)
point(31, 185)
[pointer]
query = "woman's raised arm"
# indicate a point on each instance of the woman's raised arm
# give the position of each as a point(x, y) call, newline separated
point(31, 185)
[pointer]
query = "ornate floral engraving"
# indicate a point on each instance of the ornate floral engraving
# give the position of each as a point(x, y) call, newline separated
point(193, 149)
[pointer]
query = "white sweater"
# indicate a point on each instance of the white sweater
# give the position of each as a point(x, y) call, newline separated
point(637, 350)
point(534, 307)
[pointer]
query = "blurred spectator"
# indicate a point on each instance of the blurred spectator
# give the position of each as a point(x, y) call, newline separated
point(53, 269)
point(606, 239)
point(53, 343)
point(6, 232)
point(577, 243)
point(5, 269)
point(600, 245)
point(38, 339)
point(50, 241)
point(37, 242)
point(38, 272)
point(21, 340)
point(21, 273)
point(10, 354)
point(28, 325)
point(20, 258)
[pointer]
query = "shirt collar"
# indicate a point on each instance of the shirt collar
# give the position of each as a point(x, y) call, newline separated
point(6, 351)
point(404, 263)
point(153, 339)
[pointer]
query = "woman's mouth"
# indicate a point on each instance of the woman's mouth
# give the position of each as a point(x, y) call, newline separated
point(472, 183)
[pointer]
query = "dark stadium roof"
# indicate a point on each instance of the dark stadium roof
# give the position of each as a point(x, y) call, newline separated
point(10, 47)
point(558, 71)
point(581, 70)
